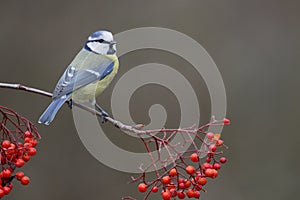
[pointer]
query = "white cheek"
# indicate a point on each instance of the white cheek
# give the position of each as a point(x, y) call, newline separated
point(98, 48)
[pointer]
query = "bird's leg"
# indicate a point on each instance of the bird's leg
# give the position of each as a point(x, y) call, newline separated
point(70, 103)
point(104, 114)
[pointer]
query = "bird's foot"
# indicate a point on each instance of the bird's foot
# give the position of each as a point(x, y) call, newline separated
point(104, 114)
point(70, 103)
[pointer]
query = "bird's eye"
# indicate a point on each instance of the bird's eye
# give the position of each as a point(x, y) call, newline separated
point(101, 40)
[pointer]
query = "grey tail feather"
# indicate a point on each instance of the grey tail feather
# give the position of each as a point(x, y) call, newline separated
point(49, 114)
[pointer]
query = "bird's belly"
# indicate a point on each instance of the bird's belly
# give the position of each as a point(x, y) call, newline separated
point(89, 92)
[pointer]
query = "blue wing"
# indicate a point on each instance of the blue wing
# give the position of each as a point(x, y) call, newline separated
point(74, 78)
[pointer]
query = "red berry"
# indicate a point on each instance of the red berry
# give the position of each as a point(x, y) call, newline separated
point(154, 189)
point(27, 145)
point(33, 142)
point(166, 180)
point(209, 172)
point(219, 142)
point(181, 180)
point(215, 173)
point(223, 160)
point(6, 144)
point(20, 162)
point(226, 121)
point(6, 173)
point(190, 193)
point(26, 157)
point(206, 166)
point(181, 195)
point(6, 189)
point(12, 146)
point(208, 160)
point(194, 157)
point(166, 195)
point(173, 172)
point(142, 187)
point(20, 153)
point(213, 147)
point(27, 139)
point(25, 180)
point(212, 173)
point(217, 166)
point(187, 184)
point(202, 181)
point(31, 151)
point(181, 185)
point(197, 194)
point(19, 175)
point(2, 193)
point(28, 134)
point(210, 136)
point(190, 169)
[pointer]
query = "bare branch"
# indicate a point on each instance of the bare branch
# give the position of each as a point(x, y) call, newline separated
point(134, 129)
point(92, 111)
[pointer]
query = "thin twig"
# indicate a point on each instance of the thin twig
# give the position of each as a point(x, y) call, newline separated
point(86, 108)
point(116, 123)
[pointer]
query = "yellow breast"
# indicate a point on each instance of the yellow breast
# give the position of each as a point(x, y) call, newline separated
point(93, 90)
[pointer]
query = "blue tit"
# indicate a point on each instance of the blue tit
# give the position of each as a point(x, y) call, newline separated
point(87, 76)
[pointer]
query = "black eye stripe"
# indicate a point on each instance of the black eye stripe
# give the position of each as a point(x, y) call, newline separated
point(100, 41)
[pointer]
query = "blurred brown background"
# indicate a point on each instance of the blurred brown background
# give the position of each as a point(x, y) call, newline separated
point(254, 43)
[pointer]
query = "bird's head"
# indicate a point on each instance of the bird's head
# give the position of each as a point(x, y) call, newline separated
point(101, 42)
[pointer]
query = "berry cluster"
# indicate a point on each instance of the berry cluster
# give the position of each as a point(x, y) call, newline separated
point(14, 155)
point(19, 138)
point(190, 171)
point(190, 181)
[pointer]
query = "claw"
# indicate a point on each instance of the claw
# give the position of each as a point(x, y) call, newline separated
point(70, 103)
point(104, 114)
point(103, 117)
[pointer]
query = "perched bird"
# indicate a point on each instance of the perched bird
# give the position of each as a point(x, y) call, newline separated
point(87, 76)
